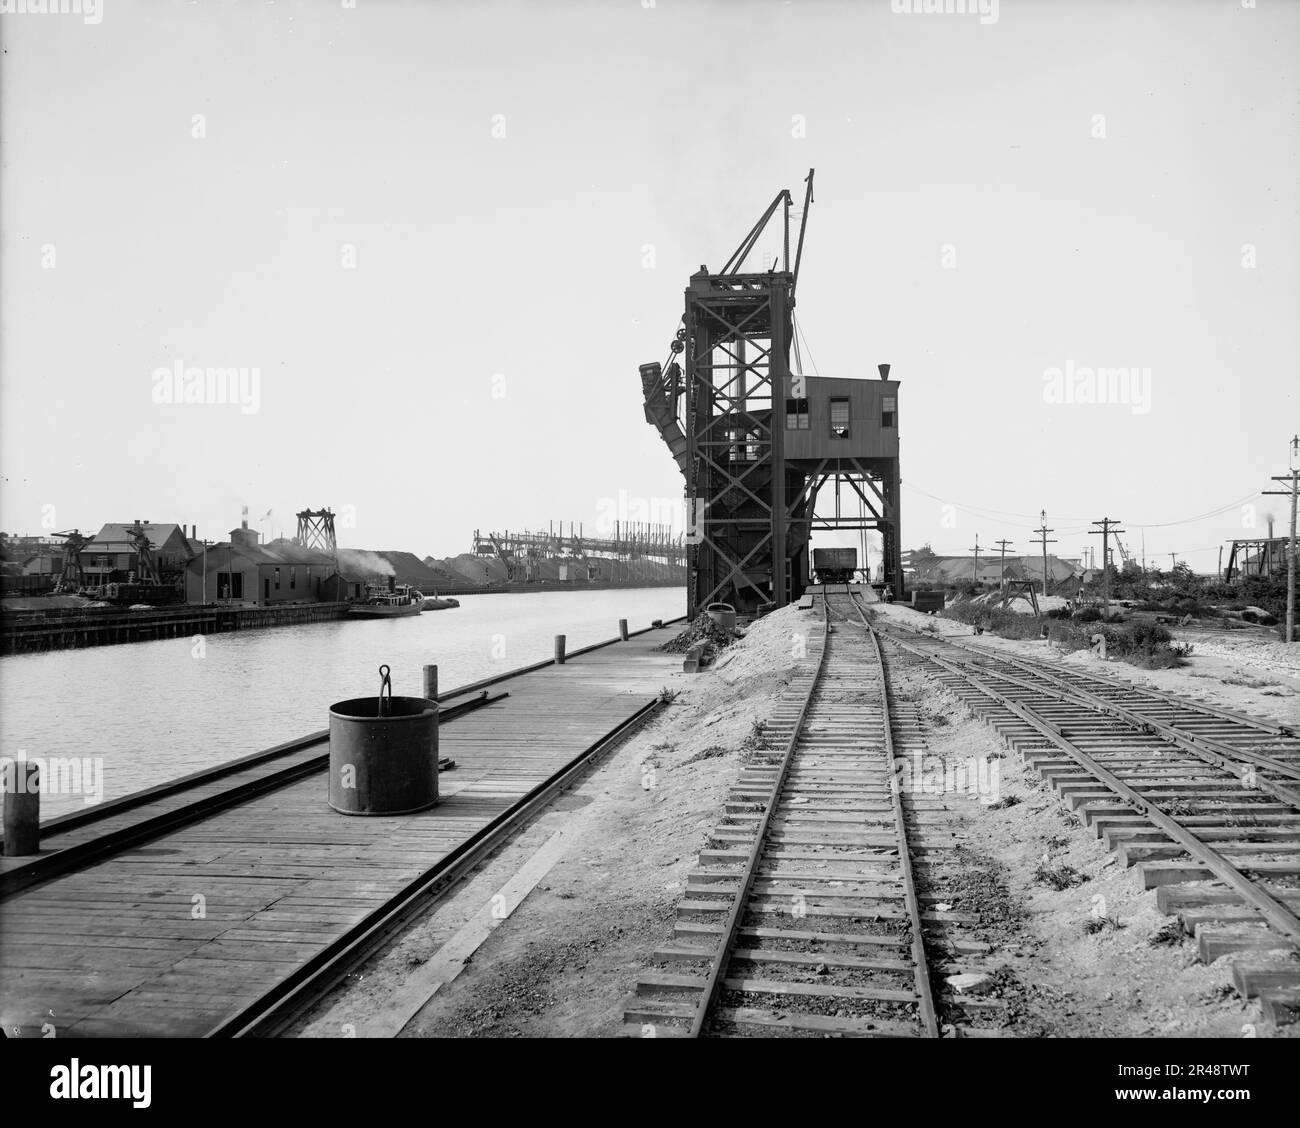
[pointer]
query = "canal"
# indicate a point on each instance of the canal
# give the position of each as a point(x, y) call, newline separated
point(147, 712)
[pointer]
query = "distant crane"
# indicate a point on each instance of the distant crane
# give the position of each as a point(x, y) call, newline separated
point(147, 566)
point(73, 577)
point(1123, 552)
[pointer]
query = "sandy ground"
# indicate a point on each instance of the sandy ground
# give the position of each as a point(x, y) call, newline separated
point(565, 960)
point(562, 963)
point(1271, 656)
point(1060, 979)
point(1242, 674)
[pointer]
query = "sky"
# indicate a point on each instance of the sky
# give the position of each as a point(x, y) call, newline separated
point(440, 237)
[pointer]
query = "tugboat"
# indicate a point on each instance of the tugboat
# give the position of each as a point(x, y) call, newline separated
point(383, 604)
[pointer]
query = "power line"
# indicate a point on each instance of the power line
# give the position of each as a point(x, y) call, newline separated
point(1203, 517)
point(1042, 531)
point(978, 512)
point(993, 514)
point(1107, 527)
point(1002, 578)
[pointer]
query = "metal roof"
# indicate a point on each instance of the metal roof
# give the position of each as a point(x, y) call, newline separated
point(114, 537)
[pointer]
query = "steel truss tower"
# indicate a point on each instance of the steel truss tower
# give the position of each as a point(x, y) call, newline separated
point(755, 441)
point(316, 530)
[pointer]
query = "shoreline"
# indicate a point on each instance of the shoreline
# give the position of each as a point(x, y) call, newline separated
point(36, 630)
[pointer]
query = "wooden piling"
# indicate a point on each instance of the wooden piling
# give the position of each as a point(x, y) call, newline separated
point(559, 650)
point(22, 810)
point(622, 629)
point(431, 683)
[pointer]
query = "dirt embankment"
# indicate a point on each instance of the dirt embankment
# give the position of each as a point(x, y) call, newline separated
point(1252, 675)
point(1084, 950)
point(562, 963)
point(1079, 947)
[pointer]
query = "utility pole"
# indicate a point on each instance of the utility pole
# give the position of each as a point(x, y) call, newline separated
point(1220, 576)
point(1107, 527)
point(1002, 576)
point(1294, 480)
point(975, 568)
point(1042, 532)
point(1173, 561)
point(203, 598)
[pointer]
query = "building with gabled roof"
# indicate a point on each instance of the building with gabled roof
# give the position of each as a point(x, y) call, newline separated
point(242, 570)
point(111, 557)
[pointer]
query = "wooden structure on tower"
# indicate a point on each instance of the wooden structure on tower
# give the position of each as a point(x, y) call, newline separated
point(316, 530)
point(757, 441)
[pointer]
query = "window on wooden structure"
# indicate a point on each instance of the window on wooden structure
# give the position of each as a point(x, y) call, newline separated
point(840, 418)
point(293, 578)
point(888, 411)
point(277, 579)
point(796, 415)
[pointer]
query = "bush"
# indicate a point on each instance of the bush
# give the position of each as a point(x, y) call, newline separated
point(996, 620)
point(1249, 617)
point(1059, 613)
point(1145, 636)
point(1143, 643)
point(1087, 615)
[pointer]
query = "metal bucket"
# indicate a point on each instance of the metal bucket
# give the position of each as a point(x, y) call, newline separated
point(723, 614)
point(383, 755)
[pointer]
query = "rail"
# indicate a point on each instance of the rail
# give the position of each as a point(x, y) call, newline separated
point(302, 988)
point(1273, 910)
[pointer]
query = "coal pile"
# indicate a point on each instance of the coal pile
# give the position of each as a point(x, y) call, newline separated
point(703, 629)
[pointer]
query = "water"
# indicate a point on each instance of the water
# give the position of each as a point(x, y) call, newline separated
point(158, 710)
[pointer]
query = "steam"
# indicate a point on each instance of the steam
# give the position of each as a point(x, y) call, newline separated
point(368, 563)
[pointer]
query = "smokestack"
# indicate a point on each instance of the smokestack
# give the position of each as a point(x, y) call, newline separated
point(194, 532)
point(1270, 528)
point(884, 371)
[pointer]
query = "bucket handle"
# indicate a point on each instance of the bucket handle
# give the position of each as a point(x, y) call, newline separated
point(385, 683)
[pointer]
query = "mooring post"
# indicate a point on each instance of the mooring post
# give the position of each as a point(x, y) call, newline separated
point(622, 629)
point(22, 809)
point(431, 683)
point(559, 650)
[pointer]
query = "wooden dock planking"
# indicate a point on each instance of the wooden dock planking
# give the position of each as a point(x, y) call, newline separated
point(54, 836)
point(115, 949)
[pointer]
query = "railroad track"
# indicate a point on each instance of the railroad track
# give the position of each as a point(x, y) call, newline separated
point(296, 993)
point(1204, 801)
point(802, 917)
